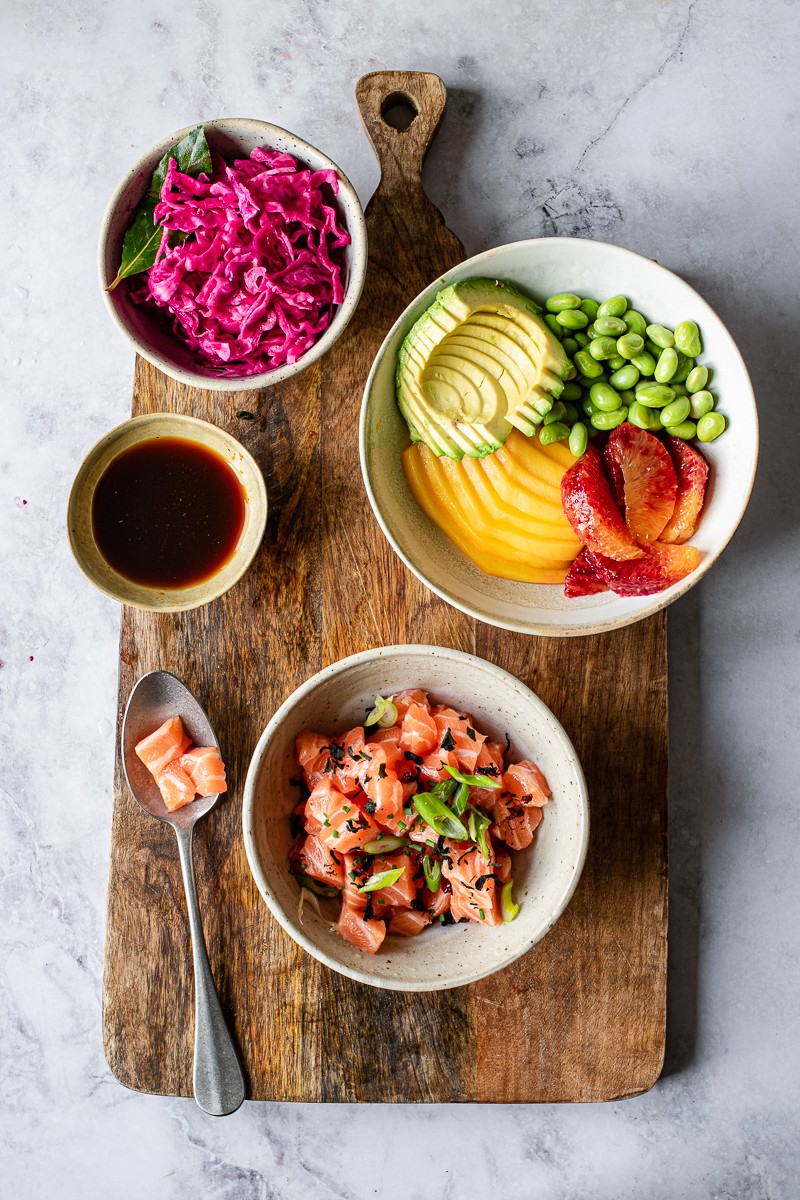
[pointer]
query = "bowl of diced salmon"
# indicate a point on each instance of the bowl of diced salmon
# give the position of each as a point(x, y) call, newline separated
point(415, 817)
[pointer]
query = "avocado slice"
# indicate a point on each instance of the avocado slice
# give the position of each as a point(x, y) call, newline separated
point(477, 362)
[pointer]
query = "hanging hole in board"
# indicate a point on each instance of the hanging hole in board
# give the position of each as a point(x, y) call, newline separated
point(399, 111)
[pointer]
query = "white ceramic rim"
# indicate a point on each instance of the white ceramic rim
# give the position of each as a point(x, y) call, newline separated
point(249, 790)
point(181, 421)
point(659, 601)
point(267, 132)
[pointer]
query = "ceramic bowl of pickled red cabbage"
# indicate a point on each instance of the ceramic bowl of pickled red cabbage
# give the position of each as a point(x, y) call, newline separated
point(261, 262)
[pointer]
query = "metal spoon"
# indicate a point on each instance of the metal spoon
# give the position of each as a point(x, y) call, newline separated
point(218, 1080)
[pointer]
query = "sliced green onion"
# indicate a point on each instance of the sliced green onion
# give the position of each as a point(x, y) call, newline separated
point(444, 789)
point(384, 714)
point(442, 819)
point(385, 844)
point(432, 870)
point(474, 780)
point(479, 822)
point(508, 908)
point(462, 796)
point(383, 879)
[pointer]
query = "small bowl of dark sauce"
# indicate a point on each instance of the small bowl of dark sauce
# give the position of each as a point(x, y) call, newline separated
point(166, 512)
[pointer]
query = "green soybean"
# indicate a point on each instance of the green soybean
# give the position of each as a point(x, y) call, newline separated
point(588, 406)
point(586, 382)
point(630, 345)
point(635, 321)
point(558, 432)
point(663, 337)
point(587, 364)
point(687, 339)
point(589, 330)
point(645, 418)
point(561, 301)
point(572, 318)
point(685, 431)
point(697, 379)
point(590, 307)
point(581, 337)
point(578, 439)
point(609, 420)
point(604, 397)
point(654, 395)
point(570, 345)
point(628, 397)
point(685, 367)
point(571, 414)
point(678, 388)
point(553, 325)
point(700, 403)
point(652, 348)
point(666, 366)
point(615, 363)
point(557, 413)
point(613, 307)
point(645, 363)
point(625, 377)
point(672, 414)
point(610, 327)
point(711, 426)
point(602, 347)
point(572, 391)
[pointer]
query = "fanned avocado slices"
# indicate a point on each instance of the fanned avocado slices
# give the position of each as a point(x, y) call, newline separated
point(477, 362)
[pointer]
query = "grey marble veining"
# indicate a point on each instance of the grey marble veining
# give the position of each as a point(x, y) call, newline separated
point(670, 127)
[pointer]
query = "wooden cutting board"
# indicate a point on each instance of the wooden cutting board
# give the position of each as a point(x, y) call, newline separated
point(582, 1016)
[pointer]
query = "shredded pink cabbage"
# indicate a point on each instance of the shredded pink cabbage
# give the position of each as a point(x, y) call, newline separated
point(256, 284)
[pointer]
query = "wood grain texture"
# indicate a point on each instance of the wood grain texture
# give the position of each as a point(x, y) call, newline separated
point(581, 1017)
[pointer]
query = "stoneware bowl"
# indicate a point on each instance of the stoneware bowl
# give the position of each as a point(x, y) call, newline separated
point(545, 875)
point(542, 267)
point(232, 137)
point(79, 512)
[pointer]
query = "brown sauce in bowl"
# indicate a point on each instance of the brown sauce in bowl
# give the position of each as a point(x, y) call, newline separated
point(168, 513)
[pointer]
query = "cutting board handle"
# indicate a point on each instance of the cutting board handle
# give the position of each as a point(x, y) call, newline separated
point(401, 152)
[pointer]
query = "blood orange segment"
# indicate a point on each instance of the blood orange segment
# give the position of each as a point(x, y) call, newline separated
point(642, 470)
point(661, 567)
point(582, 579)
point(592, 510)
point(692, 472)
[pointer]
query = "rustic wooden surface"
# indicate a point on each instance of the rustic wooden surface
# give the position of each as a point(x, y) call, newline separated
point(582, 1016)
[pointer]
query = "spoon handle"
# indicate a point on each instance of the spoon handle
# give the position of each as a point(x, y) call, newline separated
point(219, 1086)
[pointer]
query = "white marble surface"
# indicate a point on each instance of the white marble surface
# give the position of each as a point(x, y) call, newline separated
point(668, 127)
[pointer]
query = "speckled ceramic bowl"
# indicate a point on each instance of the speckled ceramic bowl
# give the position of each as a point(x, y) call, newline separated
point(545, 874)
point(231, 137)
point(79, 512)
point(542, 267)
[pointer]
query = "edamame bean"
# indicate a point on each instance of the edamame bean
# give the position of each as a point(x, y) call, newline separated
point(645, 418)
point(666, 366)
point(570, 345)
point(697, 379)
point(645, 363)
point(671, 414)
point(628, 397)
point(586, 382)
point(613, 307)
point(625, 377)
point(581, 337)
point(687, 339)
point(635, 321)
point(590, 307)
point(604, 397)
point(711, 426)
point(592, 432)
point(609, 420)
point(678, 388)
point(572, 318)
point(562, 301)
point(587, 364)
point(602, 347)
point(610, 327)
point(557, 413)
point(685, 366)
point(588, 406)
point(553, 325)
point(571, 414)
point(558, 432)
point(630, 345)
point(589, 330)
point(663, 337)
point(700, 403)
point(652, 348)
point(685, 431)
point(654, 395)
point(572, 391)
point(615, 363)
point(578, 439)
